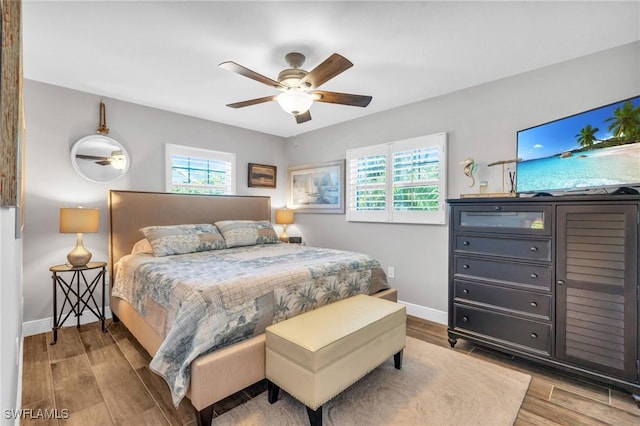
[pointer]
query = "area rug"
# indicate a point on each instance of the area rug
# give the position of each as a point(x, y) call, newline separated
point(436, 386)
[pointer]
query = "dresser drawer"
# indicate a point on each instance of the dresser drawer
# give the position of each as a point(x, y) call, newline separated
point(525, 302)
point(507, 272)
point(510, 330)
point(521, 219)
point(538, 249)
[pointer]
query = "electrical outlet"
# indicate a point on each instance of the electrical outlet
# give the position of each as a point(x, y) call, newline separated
point(391, 272)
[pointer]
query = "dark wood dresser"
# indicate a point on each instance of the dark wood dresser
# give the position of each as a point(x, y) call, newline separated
point(550, 279)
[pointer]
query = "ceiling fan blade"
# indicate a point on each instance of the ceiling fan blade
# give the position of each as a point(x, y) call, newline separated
point(304, 117)
point(91, 157)
point(332, 66)
point(246, 72)
point(252, 102)
point(104, 162)
point(341, 98)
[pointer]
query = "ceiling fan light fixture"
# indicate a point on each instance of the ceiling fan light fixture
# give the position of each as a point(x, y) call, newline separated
point(295, 102)
point(118, 160)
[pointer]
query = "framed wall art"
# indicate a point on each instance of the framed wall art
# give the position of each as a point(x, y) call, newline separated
point(262, 176)
point(317, 188)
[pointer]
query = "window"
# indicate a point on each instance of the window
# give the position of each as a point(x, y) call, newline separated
point(199, 171)
point(401, 181)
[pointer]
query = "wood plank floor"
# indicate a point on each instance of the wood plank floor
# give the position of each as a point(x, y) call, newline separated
point(104, 379)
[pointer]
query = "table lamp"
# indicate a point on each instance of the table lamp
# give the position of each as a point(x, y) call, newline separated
point(284, 217)
point(78, 220)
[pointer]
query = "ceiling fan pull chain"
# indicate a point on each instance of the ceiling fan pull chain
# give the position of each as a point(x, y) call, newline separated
point(102, 128)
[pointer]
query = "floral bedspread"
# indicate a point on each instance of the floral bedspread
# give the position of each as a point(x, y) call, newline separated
point(203, 301)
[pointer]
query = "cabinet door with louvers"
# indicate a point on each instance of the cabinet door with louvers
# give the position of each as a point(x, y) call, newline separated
point(596, 287)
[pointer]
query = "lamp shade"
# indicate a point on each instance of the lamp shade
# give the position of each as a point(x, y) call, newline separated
point(295, 102)
point(76, 220)
point(284, 217)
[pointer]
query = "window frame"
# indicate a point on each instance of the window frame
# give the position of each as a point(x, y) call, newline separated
point(389, 214)
point(200, 153)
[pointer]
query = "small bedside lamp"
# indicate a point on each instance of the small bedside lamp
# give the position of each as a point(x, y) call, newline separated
point(78, 220)
point(284, 217)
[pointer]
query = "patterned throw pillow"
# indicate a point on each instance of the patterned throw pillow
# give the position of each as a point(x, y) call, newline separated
point(247, 232)
point(181, 239)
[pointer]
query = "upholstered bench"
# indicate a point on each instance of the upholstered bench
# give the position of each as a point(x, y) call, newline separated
point(316, 355)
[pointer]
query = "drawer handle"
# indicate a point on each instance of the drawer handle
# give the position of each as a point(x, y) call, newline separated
point(533, 304)
point(534, 336)
point(465, 291)
point(534, 248)
point(465, 319)
point(560, 282)
point(465, 243)
point(534, 275)
point(465, 266)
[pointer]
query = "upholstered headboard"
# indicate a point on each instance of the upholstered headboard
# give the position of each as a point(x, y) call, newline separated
point(131, 210)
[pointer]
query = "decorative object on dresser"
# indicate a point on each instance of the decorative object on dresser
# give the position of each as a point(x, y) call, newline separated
point(79, 220)
point(550, 279)
point(78, 293)
point(284, 217)
point(317, 188)
point(262, 176)
point(469, 170)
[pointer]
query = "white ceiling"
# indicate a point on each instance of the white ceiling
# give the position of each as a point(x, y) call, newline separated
point(165, 54)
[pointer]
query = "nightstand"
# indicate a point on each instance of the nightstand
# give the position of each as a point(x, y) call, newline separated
point(78, 292)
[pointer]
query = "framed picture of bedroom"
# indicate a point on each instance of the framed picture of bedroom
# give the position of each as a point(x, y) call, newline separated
point(317, 188)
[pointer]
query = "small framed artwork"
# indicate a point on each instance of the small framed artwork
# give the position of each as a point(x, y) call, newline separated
point(262, 176)
point(317, 188)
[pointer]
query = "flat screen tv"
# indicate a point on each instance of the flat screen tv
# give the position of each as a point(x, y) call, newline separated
point(595, 149)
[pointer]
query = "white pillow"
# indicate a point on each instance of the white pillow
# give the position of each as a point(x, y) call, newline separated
point(142, 246)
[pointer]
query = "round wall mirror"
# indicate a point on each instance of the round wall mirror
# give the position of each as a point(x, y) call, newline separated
point(99, 158)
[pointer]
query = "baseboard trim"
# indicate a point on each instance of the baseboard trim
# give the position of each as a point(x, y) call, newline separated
point(31, 328)
point(425, 313)
point(44, 325)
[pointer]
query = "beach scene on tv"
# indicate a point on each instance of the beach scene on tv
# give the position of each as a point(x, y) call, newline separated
point(593, 149)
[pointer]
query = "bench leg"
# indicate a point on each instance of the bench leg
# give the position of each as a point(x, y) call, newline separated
point(272, 391)
point(315, 416)
point(204, 417)
point(397, 359)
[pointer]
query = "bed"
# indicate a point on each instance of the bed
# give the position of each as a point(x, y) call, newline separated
point(236, 359)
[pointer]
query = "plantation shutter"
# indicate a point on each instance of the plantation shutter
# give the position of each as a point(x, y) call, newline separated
point(403, 181)
point(418, 186)
point(367, 184)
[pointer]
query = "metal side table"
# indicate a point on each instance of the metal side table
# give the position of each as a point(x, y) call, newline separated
point(78, 293)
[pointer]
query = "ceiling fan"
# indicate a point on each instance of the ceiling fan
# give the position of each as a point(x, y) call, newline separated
point(299, 87)
point(117, 159)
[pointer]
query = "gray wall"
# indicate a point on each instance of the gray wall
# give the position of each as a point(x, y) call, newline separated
point(481, 122)
point(57, 117)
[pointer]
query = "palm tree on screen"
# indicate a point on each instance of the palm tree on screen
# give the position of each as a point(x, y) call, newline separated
point(587, 136)
point(625, 123)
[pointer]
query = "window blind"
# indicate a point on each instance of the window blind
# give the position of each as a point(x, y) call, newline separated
point(199, 171)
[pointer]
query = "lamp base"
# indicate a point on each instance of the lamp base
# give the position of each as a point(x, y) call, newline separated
point(284, 237)
point(79, 256)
